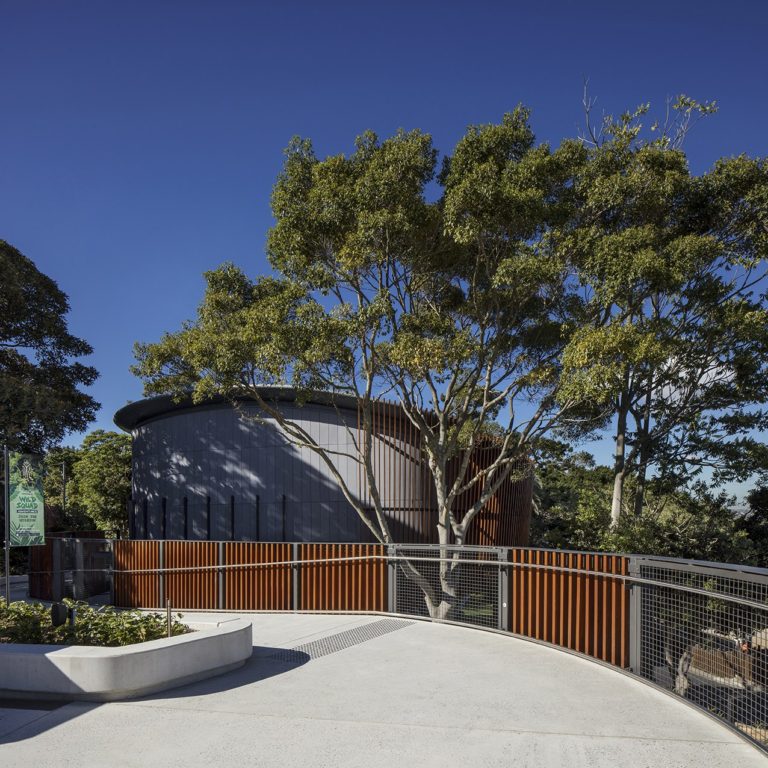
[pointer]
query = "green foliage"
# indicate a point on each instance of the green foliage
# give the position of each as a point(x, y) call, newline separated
point(674, 342)
point(458, 307)
point(697, 524)
point(59, 463)
point(18, 561)
point(754, 522)
point(98, 483)
point(545, 291)
point(40, 378)
point(22, 622)
point(572, 511)
point(101, 482)
point(572, 499)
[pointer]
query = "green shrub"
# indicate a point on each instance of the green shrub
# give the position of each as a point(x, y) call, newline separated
point(22, 622)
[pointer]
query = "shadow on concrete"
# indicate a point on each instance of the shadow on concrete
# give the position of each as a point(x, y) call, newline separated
point(265, 662)
point(24, 719)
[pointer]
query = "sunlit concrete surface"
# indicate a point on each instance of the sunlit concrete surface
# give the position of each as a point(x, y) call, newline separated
point(418, 695)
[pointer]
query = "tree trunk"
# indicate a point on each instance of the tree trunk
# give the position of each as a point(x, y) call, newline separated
point(644, 432)
point(640, 490)
point(440, 612)
point(679, 666)
point(618, 463)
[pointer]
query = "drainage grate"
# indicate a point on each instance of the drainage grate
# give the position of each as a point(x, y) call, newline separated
point(338, 642)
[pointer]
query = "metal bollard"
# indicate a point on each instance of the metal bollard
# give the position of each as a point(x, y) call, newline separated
point(168, 615)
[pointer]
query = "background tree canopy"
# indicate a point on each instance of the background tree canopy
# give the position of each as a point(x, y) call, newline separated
point(40, 378)
point(517, 290)
point(98, 483)
point(673, 267)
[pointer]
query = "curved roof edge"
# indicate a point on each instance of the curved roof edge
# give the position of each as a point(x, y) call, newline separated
point(136, 413)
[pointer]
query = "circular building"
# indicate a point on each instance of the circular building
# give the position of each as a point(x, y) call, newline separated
point(215, 471)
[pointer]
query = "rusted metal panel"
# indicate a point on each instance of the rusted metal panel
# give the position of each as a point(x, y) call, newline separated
point(132, 589)
point(194, 587)
point(342, 585)
point(569, 599)
point(257, 588)
point(565, 598)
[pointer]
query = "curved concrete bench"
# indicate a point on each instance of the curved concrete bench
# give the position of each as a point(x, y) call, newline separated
point(94, 673)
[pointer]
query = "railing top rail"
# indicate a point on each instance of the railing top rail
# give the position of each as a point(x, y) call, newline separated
point(673, 562)
point(706, 564)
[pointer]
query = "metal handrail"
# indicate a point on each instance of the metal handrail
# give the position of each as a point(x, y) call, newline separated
point(623, 577)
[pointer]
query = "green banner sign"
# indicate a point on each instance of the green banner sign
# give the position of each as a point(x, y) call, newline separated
point(27, 511)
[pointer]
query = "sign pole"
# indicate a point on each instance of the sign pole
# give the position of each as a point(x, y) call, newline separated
point(7, 516)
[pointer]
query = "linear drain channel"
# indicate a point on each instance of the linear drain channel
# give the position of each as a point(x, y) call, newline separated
point(338, 642)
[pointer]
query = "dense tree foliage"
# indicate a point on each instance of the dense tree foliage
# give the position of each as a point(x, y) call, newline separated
point(98, 483)
point(518, 290)
point(675, 346)
point(63, 509)
point(458, 308)
point(40, 378)
point(572, 511)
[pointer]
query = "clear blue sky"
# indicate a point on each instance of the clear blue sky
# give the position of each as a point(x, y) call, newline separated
point(139, 141)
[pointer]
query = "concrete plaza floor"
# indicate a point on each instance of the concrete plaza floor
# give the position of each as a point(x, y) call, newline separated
point(372, 691)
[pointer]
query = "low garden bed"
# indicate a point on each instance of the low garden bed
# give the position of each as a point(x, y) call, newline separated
point(106, 654)
point(22, 622)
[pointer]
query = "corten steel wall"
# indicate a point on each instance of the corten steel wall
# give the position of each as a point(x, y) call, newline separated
point(554, 600)
point(258, 589)
point(131, 589)
point(194, 575)
point(213, 473)
point(567, 599)
point(354, 585)
point(192, 587)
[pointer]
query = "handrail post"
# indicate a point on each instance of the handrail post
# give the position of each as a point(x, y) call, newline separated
point(295, 581)
point(391, 579)
point(221, 590)
point(161, 575)
point(635, 619)
point(502, 590)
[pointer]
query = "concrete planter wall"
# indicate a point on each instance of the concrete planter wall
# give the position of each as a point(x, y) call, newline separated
point(106, 674)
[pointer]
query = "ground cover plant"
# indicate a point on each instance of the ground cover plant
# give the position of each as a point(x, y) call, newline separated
point(22, 622)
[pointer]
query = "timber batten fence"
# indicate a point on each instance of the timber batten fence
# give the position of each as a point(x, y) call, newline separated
point(698, 630)
point(573, 600)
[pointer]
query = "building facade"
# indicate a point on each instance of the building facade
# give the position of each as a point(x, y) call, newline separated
point(218, 472)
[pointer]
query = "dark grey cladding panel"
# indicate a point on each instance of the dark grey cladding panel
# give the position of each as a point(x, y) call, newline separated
point(216, 452)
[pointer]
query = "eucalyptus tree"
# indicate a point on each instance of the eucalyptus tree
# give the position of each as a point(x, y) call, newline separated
point(673, 270)
point(457, 307)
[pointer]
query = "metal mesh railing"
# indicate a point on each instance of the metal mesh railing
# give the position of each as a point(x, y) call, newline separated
point(699, 630)
point(702, 632)
point(449, 583)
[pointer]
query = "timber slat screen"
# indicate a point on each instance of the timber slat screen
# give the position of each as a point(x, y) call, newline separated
point(196, 587)
point(555, 602)
point(397, 459)
point(564, 598)
point(266, 588)
point(137, 590)
point(350, 585)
